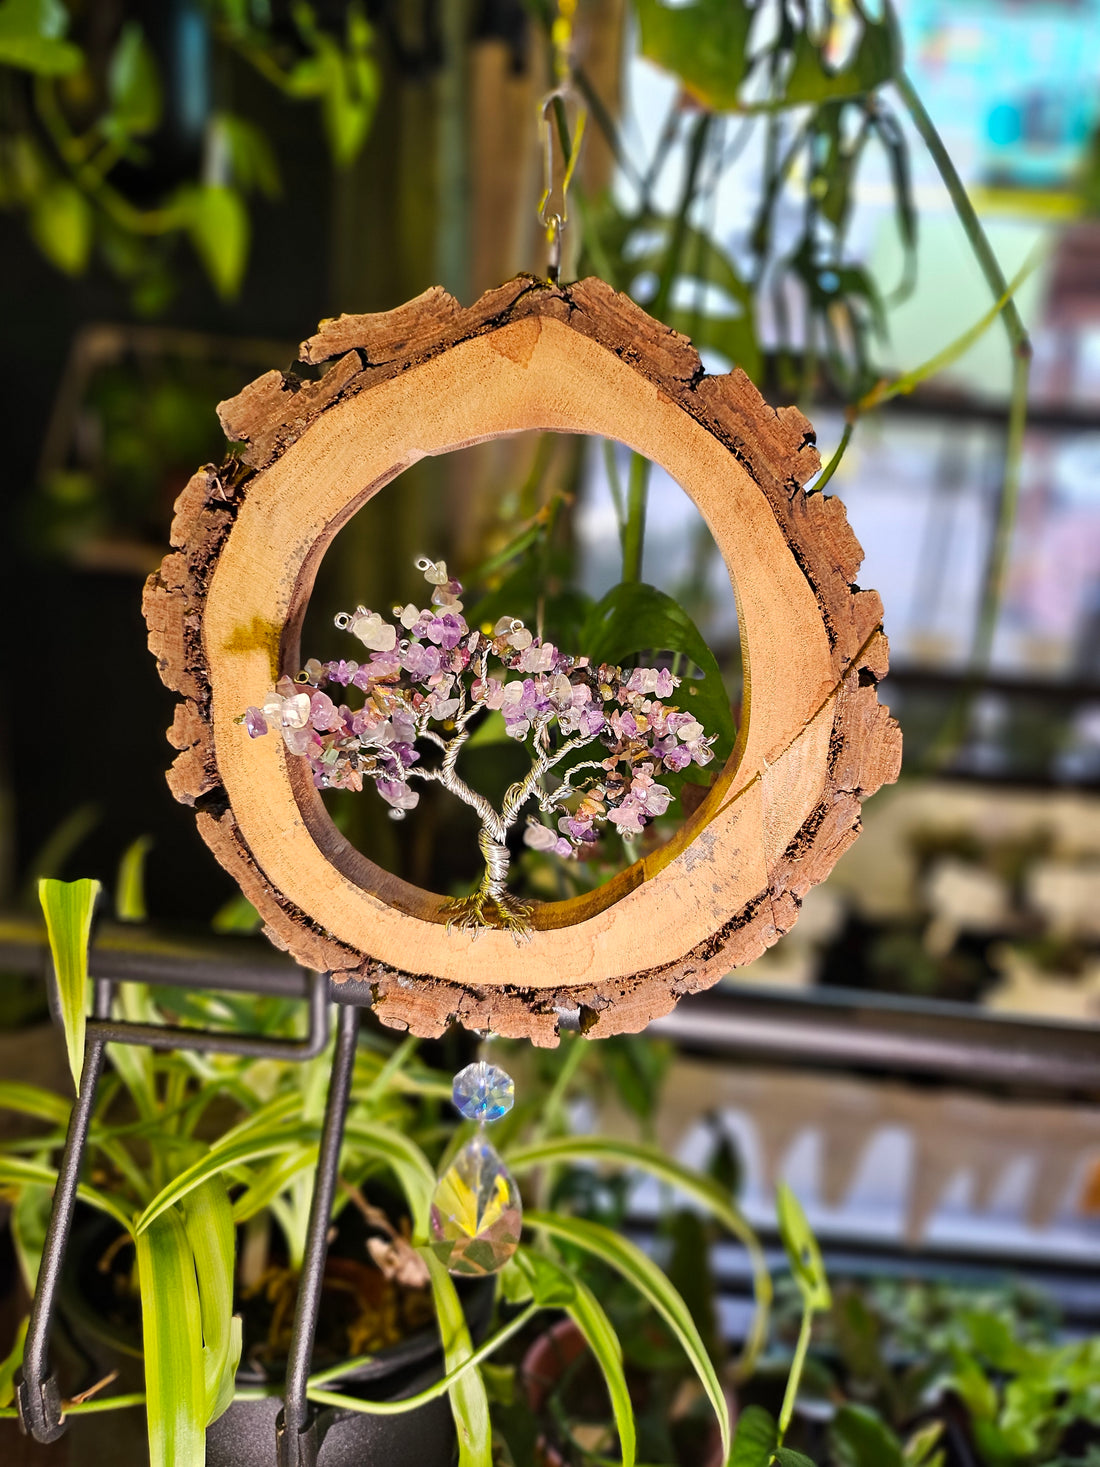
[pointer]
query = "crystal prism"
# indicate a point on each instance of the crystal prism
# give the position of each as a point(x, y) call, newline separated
point(483, 1092)
point(476, 1214)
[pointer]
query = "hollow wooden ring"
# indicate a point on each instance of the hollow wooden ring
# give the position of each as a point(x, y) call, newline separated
point(225, 609)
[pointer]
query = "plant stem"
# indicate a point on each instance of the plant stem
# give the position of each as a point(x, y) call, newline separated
point(975, 234)
point(633, 531)
point(993, 588)
point(633, 534)
point(790, 1395)
point(441, 1387)
point(834, 463)
point(1020, 342)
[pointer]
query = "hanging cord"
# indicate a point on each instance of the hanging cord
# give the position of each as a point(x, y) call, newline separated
point(552, 112)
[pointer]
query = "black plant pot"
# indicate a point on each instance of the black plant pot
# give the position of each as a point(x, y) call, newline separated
point(245, 1435)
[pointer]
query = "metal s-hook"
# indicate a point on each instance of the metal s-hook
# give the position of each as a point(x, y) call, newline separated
point(553, 257)
point(551, 109)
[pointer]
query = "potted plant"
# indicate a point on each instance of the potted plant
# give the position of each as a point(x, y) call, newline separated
point(192, 1157)
point(906, 1374)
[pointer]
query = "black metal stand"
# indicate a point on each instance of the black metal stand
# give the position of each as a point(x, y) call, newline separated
point(296, 1427)
point(37, 1393)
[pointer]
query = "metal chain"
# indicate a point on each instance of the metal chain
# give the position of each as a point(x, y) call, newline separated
point(561, 95)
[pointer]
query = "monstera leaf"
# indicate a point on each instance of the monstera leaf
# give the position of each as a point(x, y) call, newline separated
point(634, 618)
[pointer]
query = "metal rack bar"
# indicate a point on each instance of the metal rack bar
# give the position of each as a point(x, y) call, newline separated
point(37, 1393)
point(297, 1437)
point(952, 1042)
point(849, 1030)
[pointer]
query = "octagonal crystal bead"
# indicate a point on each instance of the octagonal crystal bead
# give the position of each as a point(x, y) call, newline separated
point(483, 1092)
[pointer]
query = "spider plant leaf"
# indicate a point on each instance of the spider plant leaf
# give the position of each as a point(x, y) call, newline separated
point(405, 1159)
point(218, 1160)
point(171, 1322)
point(469, 1402)
point(130, 892)
point(17, 1174)
point(208, 1224)
point(701, 1189)
point(29, 1221)
point(589, 1316)
point(32, 1100)
point(271, 1180)
point(11, 1364)
point(68, 907)
point(479, 1359)
point(634, 1266)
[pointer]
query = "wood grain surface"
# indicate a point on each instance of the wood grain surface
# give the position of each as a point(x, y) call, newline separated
point(225, 610)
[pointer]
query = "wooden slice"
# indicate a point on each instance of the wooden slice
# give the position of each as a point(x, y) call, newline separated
point(225, 610)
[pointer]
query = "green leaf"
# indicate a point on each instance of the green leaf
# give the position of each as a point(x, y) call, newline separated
point(634, 617)
point(922, 1449)
point(858, 1437)
point(31, 38)
point(476, 1361)
point(237, 915)
point(688, 1266)
point(469, 1403)
point(29, 1222)
point(732, 336)
point(217, 1161)
point(68, 907)
point(11, 1364)
point(251, 157)
point(272, 1181)
point(32, 1100)
point(171, 1320)
point(629, 1154)
point(970, 1382)
point(346, 80)
point(208, 1224)
point(16, 1174)
point(61, 222)
point(640, 1271)
point(787, 1457)
point(550, 1286)
point(802, 1250)
point(704, 44)
point(130, 895)
point(407, 1161)
point(875, 59)
point(755, 1438)
point(217, 222)
point(554, 1287)
point(133, 85)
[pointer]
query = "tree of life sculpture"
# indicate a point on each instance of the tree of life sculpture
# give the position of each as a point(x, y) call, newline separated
point(429, 685)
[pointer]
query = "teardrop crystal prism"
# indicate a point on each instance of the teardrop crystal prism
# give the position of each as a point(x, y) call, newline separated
point(476, 1214)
